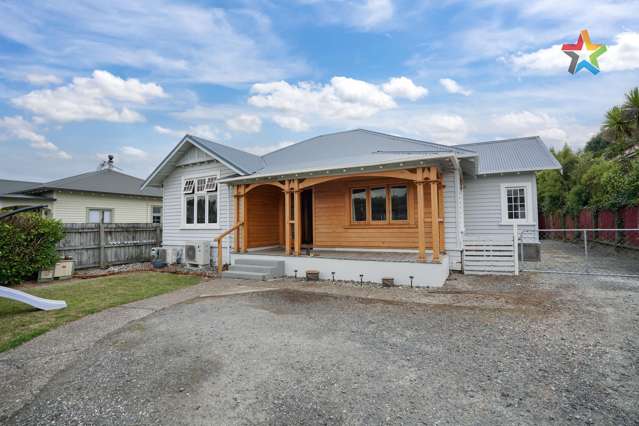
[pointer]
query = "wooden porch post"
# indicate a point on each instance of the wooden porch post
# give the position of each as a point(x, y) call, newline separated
point(287, 218)
point(434, 207)
point(298, 219)
point(236, 235)
point(245, 220)
point(421, 237)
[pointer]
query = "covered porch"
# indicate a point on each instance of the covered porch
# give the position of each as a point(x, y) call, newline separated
point(393, 211)
point(375, 222)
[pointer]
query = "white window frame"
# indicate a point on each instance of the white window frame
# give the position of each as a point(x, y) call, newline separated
point(101, 210)
point(194, 194)
point(529, 220)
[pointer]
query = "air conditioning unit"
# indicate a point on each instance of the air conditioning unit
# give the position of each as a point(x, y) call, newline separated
point(166, 255)
point(197, 253)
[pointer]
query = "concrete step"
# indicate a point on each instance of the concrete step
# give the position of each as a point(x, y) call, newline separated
point(276, 266)
point(257, 276)
point(270, 270)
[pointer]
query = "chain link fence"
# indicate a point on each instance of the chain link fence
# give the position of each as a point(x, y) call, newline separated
point(613, 252)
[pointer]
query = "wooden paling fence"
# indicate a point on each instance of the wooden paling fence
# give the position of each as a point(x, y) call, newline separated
point(100, 245)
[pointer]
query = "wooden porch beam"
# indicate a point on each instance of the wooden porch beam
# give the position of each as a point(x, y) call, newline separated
point(244, 219)
point(398, 174)
point(298, 219)
point(236, 234)
point(287, 218)
point(434, 207)
point(258, 184)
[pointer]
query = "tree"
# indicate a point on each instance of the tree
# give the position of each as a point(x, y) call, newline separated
point(632, 106)
point(597, 144)
point(617, 128)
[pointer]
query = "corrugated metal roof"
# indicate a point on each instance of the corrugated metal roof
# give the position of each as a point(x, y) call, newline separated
point(242, 160)
point(513, 155)
point(104, 181)
point(7, 186)
point(349, 148)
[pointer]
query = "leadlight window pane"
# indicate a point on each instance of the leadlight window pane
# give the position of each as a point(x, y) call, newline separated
point(190, 210)
point(212, 212)
point(358, 204)
point(211, 184)
point(188, 186)
point(201, 183)
point(399, 203)
point(201, 212)
point(378, 204)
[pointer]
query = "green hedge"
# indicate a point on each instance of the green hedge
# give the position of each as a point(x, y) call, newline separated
point(27, 245)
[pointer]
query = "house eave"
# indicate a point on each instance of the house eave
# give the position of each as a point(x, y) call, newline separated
point(446, 160)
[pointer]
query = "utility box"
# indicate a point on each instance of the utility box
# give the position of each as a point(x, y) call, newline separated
point(63, 269)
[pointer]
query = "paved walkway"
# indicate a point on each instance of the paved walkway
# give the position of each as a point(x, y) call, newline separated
point(54, 351)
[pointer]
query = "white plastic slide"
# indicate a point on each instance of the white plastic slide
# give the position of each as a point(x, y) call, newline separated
point(35, 301)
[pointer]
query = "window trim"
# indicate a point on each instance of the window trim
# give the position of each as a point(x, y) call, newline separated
point(369, 205)
point(194, 194)
point(529, 220)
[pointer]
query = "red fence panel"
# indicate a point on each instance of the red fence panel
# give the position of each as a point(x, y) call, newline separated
point(570, 223)
point(606, 220)
point(630, 217)
point(585, 219)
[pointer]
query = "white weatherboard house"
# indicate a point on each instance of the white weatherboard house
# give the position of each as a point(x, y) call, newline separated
point(353, 205)
point(103, 196)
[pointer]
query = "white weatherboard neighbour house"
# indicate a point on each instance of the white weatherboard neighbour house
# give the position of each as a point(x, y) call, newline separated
point(352, 205)
point(106, 196)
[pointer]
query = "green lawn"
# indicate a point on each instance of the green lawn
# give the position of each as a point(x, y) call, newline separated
point(20, 322)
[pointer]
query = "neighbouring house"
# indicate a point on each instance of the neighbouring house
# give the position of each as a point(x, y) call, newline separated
point(356, 205)
point(103, 196)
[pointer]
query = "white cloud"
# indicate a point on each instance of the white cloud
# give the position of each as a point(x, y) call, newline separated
point(91, 98)
point(290, 122)
point(131, 151)
point(206, 44)
point(452, 86)
point(18, 128)
point(441, 128)
point(245, 123)
point(265, 149)
point(527, 123)
point(360, 14)
point(202, 130)
point(402, 87)
point(621, 56)
point(343, 98)
point(42, 79)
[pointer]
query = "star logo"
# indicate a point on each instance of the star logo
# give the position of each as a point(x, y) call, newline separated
point(584, 54)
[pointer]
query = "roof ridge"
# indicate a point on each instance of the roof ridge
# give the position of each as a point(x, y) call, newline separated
point(221, 144)
point(501, 140)
point(411, 140)
point(308, 140)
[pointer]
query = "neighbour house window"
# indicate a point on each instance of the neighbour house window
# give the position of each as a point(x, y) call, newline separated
point(156, 214)
point(200, 201)
point(386, 203)
point(516, 204)
point(99, 215)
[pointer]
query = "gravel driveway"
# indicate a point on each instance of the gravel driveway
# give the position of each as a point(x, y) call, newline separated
point(487, 350)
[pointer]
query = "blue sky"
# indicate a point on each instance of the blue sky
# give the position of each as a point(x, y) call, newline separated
point(82, 79)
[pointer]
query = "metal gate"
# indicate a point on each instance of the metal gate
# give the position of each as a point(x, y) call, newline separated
point(612, 252)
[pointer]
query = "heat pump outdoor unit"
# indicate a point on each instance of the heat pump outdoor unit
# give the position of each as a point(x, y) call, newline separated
point(166, 255)
point(197, 253)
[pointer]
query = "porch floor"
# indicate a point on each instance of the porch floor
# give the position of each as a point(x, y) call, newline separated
point(375, 256)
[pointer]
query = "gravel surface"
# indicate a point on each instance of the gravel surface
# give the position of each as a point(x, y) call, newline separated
point(536, 349)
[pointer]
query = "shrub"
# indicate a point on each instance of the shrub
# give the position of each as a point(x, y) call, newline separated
point(27, 245)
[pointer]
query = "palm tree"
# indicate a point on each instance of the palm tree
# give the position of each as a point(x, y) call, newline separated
point(632, 106)
point(616, 124)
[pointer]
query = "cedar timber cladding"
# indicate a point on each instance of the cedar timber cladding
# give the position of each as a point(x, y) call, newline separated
point(333, 227)
point(264, 216)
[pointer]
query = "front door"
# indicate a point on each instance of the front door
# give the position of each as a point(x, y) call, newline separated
point(307, 217)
